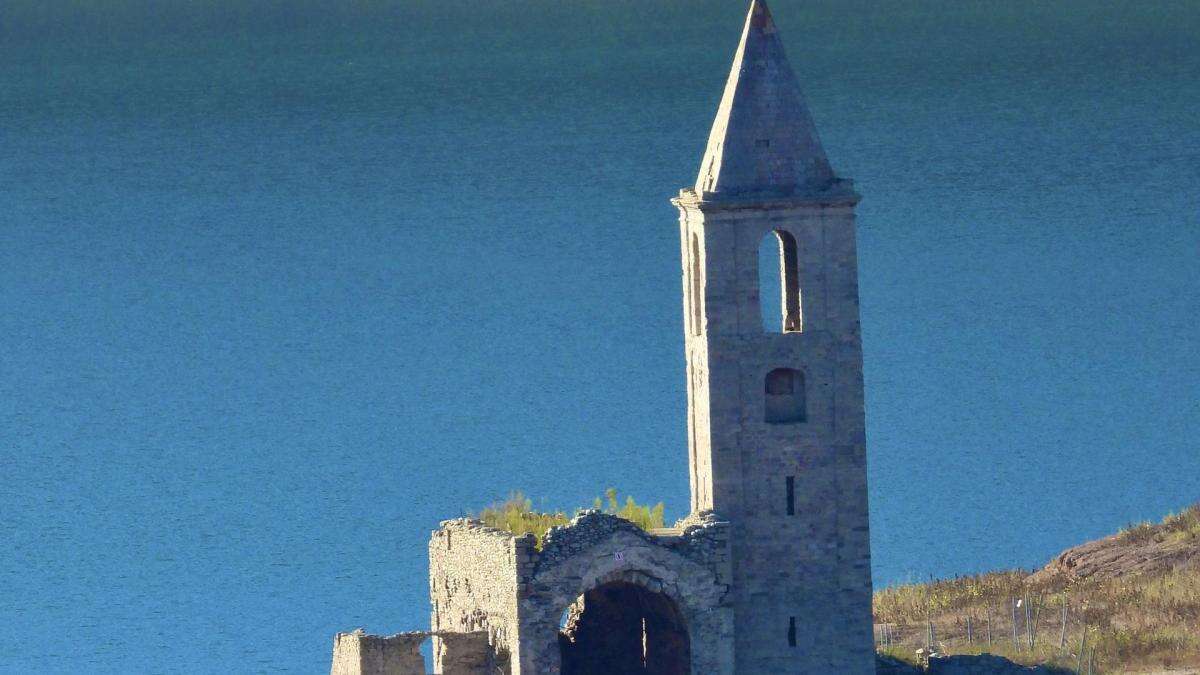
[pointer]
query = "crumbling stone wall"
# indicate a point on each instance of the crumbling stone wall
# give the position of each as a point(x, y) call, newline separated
point(464, 654)
point(491, 584)
point(688, 565)
point(475, 574)
point(360, 654)
point(357, 653)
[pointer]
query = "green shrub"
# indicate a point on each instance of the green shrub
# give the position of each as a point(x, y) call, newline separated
point(643, 515)
point(516, 514)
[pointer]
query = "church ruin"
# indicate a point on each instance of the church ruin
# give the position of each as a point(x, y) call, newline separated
point(770, 573)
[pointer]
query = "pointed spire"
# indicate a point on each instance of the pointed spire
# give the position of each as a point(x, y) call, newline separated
point(763, 141)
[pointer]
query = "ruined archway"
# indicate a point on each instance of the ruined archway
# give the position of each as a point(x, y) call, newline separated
point(621, 628)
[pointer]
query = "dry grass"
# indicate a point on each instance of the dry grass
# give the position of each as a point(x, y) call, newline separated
point(516, 514)
point(1182, 527)
point(1150, 621)
point(1147, 621)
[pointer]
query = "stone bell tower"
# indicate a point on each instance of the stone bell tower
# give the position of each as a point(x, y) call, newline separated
point(777, 444)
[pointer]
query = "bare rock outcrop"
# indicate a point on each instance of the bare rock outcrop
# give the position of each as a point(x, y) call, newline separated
point(1120, 555)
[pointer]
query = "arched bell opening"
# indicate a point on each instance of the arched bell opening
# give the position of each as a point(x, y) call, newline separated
point(779, 283)
point(624, 628)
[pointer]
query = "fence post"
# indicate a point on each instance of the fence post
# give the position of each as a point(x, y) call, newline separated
point(1029, 626)
point(989, 622)
point(1037, 619)
point(1016, 642)
point(970, 636)
point(1062, 638)
point(1082, 646)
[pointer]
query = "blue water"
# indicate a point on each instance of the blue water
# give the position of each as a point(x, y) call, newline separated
point(282, 285)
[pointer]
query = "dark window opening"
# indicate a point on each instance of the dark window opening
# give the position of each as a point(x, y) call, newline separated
point(762, 143)
point(792, 631)
point(791, 495)
point(785, 397)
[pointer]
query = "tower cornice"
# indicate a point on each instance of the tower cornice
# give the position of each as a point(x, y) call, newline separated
point(840, 193)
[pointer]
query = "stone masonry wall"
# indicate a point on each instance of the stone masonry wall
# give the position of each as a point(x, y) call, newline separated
point(360, 654)
point(794, 492)
point(475, 573)
point(499, 592)
point(688, 564)
point(463, 654)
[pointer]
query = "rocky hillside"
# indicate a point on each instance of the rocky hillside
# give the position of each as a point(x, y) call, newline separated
point(1126, 603)
point(1142, 549)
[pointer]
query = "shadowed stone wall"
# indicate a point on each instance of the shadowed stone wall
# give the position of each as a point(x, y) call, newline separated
point(794, 488)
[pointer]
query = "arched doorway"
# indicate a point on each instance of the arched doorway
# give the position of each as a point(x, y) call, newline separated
point(620, 628)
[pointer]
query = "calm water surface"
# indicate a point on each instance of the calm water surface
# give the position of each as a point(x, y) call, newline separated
point(282, 286)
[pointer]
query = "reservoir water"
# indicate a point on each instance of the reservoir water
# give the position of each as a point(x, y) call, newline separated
point(283, 284)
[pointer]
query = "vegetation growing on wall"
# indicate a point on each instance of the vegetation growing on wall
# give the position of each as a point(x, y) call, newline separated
point(516, 514)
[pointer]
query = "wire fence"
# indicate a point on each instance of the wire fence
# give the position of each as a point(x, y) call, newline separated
point(1032, 625)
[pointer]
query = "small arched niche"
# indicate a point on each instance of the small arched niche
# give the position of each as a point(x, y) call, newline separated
point(779, 283)
point(785, 397)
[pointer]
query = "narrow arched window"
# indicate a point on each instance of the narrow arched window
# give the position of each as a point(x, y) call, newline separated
point(779, 283)
point(697, 287)
point(785, 399)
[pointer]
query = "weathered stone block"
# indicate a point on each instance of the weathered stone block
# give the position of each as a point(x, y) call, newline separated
point(357, 653)
point(463, 654)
